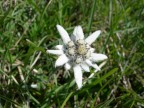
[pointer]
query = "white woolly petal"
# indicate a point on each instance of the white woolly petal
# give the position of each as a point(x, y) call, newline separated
point(67, 66)
point(90, 39)
point(64, 35)
point(98, 57)
point(92, 50)
point(74, 36)
point(60, 47)
point(93, 65)
point(85, 67)
point(78, 33)
point(61, 60)
point(78, 75)
point(56, 52)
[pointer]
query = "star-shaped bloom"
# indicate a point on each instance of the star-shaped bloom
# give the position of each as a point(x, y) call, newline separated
point(77, 53)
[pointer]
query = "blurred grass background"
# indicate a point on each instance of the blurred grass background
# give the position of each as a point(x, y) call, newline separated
point(27, 27)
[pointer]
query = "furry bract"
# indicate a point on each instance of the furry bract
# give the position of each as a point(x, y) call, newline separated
point(77, 53)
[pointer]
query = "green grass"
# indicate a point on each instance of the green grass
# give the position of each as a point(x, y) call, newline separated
point(28, 27)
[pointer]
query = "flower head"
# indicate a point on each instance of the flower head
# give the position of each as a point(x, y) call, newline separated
point(77, 53)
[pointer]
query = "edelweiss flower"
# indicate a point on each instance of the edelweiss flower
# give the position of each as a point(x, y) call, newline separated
point(76, 52)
